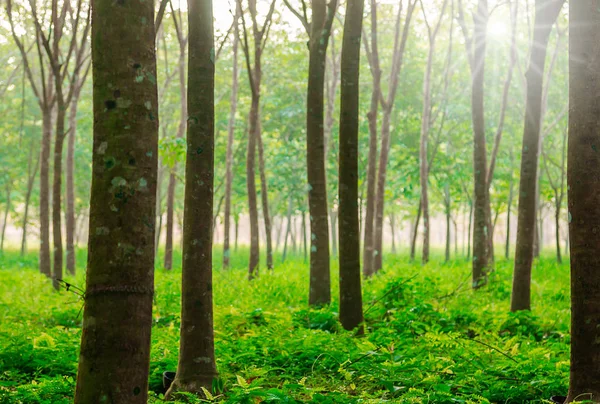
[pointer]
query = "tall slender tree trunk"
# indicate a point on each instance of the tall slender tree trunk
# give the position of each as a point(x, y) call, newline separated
point(557, 225)
point(393, 230)
point(469, 231)
point(481, 190)
point(388, 108)
point(59, 139)
point(31, 174)
point(230, 139)
point(70, 219)
point(334, 238)
point(372, 116)
point(508, 216)
point(320, 277)
point(6, 212)
point(237, 231)
point(351, 314)
point(288, 229)
point(252, 196)
point(171, 188)
point(264, 196)
point(45, 264)
point(415, 233)
point(114, 358)
point(196, 368)
point(584, 200)
point(304, 237)
point(448, 220)
point(546, 13)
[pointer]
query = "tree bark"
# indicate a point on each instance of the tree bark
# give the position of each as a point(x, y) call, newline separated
point(115, 344)
point(196, 368)
point(230, 140)
point(546, 13)
point(31, 174)
point(351, 315)
point(508, 214)
point(320, 277)
point(393, 230)
point(448, 220)
point(481, 191)
point(372, 116)
point(45, 264)
point(264, 196)
point(584, 200)
point(57, 273)
point(71, 223)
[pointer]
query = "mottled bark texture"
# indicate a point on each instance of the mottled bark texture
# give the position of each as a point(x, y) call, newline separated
point(546, 12)
point(351, 314)
point(320, 277)
point(45, 264)
point(196, 368)
point(117, 319)
point(583, 178)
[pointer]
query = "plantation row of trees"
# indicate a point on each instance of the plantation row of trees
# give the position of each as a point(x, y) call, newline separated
point(130, 94)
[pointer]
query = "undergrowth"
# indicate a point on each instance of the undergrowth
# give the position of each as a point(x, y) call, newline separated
point(429, 338)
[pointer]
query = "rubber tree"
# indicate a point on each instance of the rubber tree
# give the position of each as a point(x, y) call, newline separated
point(546, 13)
point(182, 40)
point(351, 314)
point(319, 31)
point(584, 199)
point(114, 358)
point(230, 139)
point(66, 69)
point(432, 32)
point(387, 106)
point(196, 368)
point(254, 68)
point(42, 86)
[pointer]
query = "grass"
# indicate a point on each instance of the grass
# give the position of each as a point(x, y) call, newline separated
point(430, 338)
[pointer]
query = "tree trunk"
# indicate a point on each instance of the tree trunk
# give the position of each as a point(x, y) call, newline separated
point(481, 191)
point(557, 225)
point(251, 185)
point(304, 235)
point(59, 139)
point(546, 13)
point(393, 229)
point(237, 231)
point(168, 263)
point(45, 265)
point(469, 231)
point(351, 315)
point(171, 189)
point(508, 214)
point(380, 195)
point(388, 107)
point(6, 212)
point(70, 219)
point(230, 139)
point(264, 196)
point(196, 368)
point(448, 220)
point(288, 230)
point(334, 235)
point(415, 233)
point(320, 277)
point(423, 150)
point(31, 174)
point(115, 343)
point(368, 267)
point(584, 200)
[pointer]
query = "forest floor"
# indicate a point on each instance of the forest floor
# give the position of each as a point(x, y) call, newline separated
point(429, 339)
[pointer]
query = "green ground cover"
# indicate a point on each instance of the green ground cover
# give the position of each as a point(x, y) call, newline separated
point(429, 339)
